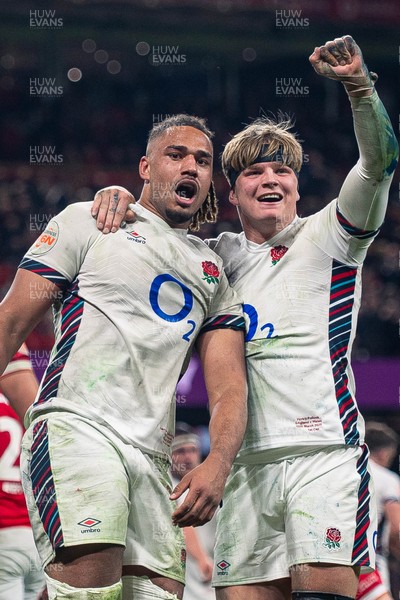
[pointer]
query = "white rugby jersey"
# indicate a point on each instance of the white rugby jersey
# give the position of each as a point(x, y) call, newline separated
point(301, 293)
point(129, 309)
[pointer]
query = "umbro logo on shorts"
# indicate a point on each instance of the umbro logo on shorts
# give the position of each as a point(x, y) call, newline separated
point(223, 567)
point(90, 525)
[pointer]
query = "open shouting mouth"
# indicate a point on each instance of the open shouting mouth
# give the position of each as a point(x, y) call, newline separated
point(186, 191)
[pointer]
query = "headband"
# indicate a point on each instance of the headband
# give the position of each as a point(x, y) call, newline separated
point(277, 156)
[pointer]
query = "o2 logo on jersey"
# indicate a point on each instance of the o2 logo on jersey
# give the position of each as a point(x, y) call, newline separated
point(182, 313)
point(252, 315)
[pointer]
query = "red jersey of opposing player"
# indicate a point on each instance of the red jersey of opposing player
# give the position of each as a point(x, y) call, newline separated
point(13, 511)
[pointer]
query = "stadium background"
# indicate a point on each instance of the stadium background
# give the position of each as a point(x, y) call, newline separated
point(82, 82)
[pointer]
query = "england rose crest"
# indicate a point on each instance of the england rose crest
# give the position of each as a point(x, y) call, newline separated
point(277, 252)
point(210, 271)
point(332, 538)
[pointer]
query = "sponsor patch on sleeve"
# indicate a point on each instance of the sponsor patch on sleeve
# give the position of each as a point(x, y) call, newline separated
point(46, 241)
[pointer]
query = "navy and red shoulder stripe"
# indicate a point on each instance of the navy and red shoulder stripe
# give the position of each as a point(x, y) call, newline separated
point(361, 234)
point(44, 271)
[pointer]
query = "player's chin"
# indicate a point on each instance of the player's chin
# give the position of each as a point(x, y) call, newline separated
point(180, 215)
point(187, 209)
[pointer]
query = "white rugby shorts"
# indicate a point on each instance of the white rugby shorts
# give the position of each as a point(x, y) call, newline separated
point(84, 485)
point(308, 509)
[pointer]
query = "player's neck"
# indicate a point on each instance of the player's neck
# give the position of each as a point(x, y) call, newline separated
point(145, 201)
point(262, 232)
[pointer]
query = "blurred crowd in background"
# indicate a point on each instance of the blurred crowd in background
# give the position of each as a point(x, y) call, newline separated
point(90, 137)
point(82, 82)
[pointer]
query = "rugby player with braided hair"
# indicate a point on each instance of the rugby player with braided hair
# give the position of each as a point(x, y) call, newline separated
point(129, 309)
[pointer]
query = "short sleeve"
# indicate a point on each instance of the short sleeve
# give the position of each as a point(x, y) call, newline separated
point(59, 251)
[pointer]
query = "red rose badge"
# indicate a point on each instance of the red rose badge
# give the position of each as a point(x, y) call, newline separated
point(210, 271)
point(277, 253)
point(332, 538)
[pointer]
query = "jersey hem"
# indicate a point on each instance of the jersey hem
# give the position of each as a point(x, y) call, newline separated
point(38, 414)
point(275, 453)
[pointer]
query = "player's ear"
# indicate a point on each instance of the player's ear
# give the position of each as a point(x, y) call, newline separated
point(232, 197)
point(144, 168)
